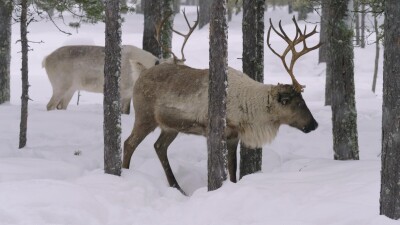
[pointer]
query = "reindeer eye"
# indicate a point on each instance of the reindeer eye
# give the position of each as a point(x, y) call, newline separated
point(284, 101)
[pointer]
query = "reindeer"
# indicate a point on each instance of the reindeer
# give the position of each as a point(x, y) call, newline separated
point(80, 67)
point(174, 98)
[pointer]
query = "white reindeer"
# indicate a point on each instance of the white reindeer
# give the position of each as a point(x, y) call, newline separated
point(81, 67)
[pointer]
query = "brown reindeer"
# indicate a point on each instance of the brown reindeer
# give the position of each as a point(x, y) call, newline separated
point(81, 67)
point(175, 98)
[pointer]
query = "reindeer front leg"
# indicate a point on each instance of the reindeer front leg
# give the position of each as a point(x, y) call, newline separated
point(232, 143)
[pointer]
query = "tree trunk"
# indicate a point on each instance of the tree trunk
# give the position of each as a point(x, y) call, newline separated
point(204, 12)
point(152, 15)
point(326, 7)
point(177, 6)
point(111, 104)
point(253, 65)
point(356, 5)
point(216, 140)
point(390, 173)
point(344, 114)
point(5, 49)
point(363, 13)
point(322, 35)
point(166, 32)
point(290, 6)
point(377, 49)
point(24, 74)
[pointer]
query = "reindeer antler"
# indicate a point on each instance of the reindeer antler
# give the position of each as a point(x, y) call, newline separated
point(160, 25)
point(300, 37)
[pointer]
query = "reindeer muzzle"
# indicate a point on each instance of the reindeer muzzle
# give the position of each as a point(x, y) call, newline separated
point(310, 127)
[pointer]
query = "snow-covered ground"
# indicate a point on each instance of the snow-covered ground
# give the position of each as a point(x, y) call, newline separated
point(58, 177)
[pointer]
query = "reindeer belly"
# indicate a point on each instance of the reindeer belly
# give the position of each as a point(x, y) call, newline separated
point(190, 121)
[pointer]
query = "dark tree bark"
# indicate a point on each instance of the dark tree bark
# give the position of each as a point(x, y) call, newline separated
point(111, 104)
point(216, 140)
point(166, 33)
point(325, 25)
point(152, 15)
point(204, 12)
point(377, 50)
point(5, 49)
point(253, 65)
point(24, 74)
point(322, 34)
point(390, 173)
point(341, 53)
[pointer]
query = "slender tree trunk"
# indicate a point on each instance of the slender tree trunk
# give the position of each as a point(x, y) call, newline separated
point(216, 140)
point(326, 8)
point(260, 41)
point(152, 15)
point(204, 12)
point(363, 13)
point(322, 35)
point(24, 73)
point(356, 6)
point(390, 173)
point(230, 10)
point(290, 6)
point(112, 74)
point(377, 49)
point(5, 49)
point(166, 33)
point(253, 65)
point(177, 6)
point(344, 114)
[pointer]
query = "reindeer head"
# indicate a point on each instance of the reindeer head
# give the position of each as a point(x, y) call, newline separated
point(299, 38)
point(292, 109)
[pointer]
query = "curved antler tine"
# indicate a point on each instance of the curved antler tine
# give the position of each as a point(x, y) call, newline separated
point(269, 44)
point(297, 26)
point(287, 39)
point(277, 32)
point(314, 31)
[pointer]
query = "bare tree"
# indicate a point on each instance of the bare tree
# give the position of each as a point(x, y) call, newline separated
point(167, 10)
point(204, 17)
point(216, 139)
point(322, 35)
point(253, 65)
point(377, 51)
point(390, 173)
point(341, 67)
point(152, 15)
point(362, 26)
point(6, 7)
point(24, 73)
point(356, 6)
point(323, 54)
point(112, 72)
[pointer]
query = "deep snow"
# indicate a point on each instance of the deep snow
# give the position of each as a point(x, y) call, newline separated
point(58, 177)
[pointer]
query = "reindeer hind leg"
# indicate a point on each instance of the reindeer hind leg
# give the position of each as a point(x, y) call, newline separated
point(139, 132)
point(161, 147)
